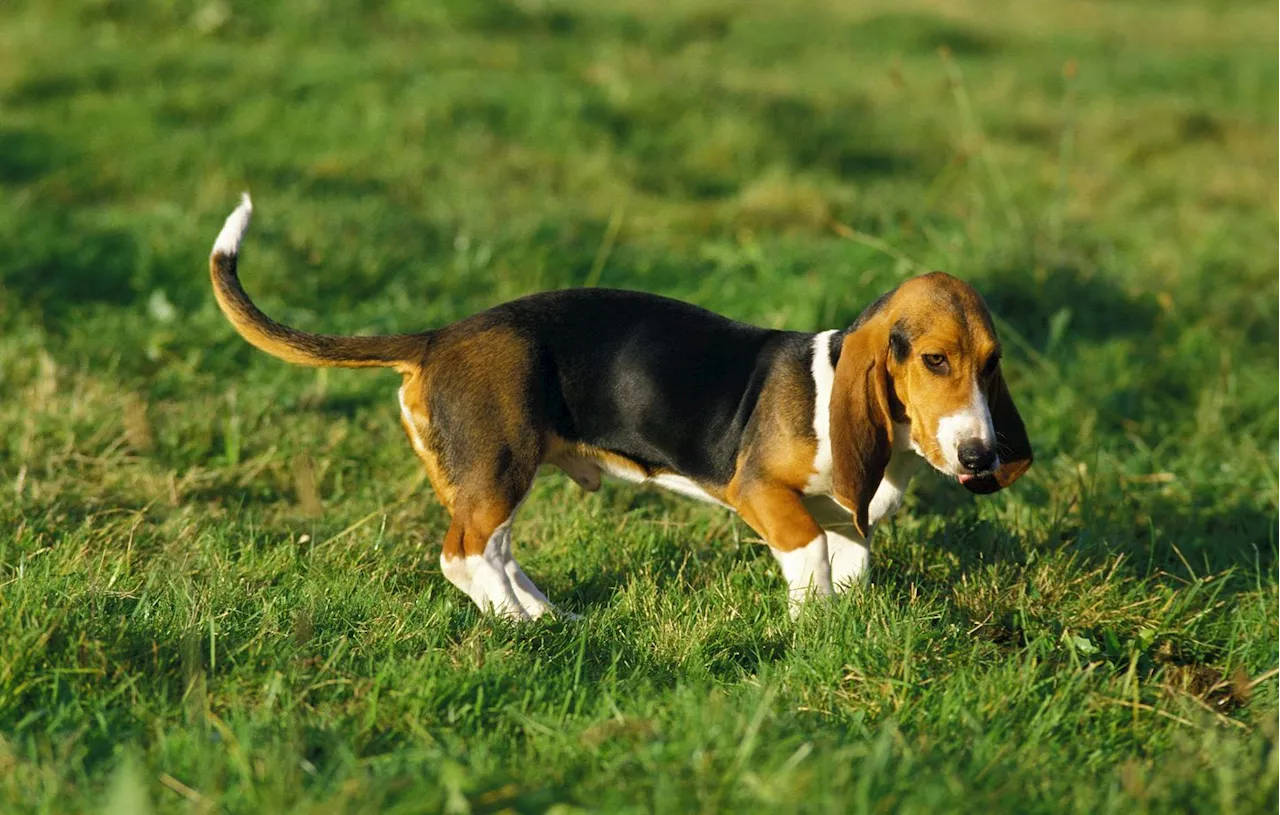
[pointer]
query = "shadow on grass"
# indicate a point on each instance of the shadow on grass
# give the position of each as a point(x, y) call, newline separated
point(924, 34)
point(1098, 308)
point(841, 140)
point(673, 31)
point(27, 154)
point(1212, 532)
point(1162, 536)
point(61, 262)
point(847, 138)
point(54, 258)
point(503, 17)
point(741, 657)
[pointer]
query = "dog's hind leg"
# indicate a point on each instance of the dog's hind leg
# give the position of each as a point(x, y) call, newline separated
point(531, 598)
point(477, 557)
point(473, 419)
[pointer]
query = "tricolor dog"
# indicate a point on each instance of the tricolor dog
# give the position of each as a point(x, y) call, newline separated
point(811, 438)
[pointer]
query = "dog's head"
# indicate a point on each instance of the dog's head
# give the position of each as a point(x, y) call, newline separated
point(924, 355)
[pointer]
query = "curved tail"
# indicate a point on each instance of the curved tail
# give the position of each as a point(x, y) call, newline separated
point(399, 351)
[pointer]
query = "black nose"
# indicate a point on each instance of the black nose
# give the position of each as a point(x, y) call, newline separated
point(976, 456)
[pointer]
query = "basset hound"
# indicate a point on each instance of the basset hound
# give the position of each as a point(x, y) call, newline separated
point(811, 438)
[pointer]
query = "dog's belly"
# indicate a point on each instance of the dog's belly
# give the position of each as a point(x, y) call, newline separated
point(586, 471)
point(827, 511)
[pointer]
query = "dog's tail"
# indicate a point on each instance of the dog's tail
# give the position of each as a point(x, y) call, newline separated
point(400, 351)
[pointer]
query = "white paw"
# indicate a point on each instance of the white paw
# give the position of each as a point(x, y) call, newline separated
point(850, 561)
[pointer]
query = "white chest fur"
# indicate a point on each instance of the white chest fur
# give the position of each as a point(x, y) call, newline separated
point(824, 374)
point(903, 464)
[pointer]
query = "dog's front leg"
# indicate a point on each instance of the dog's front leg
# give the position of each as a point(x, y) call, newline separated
point(849, 551)
point(797, 542)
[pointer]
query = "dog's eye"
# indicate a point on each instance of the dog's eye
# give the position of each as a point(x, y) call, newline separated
point(935, 362)
point(990, 367)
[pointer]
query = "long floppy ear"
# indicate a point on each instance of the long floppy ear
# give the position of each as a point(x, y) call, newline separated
point(1012, 444)
point(861, 428)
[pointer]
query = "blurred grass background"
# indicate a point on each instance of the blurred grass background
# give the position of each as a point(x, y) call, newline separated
point(218, 580)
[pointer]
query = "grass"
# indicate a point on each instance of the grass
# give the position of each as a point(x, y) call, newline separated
point(218, 574)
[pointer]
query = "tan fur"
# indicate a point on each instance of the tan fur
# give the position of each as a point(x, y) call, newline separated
point(474, 522)
point(861, 421)
point(417, 424)
point(485, 377)
point(769, 482)
point(399, 351)
point(778, 513)
point(786, 447)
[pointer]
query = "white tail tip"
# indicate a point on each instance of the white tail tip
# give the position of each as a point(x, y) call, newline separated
point(228, 242)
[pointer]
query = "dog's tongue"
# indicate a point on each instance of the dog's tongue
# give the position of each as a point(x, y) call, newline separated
point(966, 478)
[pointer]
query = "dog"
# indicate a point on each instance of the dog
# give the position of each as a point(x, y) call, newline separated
point(811, 437)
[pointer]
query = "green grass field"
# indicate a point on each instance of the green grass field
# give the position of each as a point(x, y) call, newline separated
point(219, 585)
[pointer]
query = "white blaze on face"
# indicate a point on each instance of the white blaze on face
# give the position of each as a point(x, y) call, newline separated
point(970, 423)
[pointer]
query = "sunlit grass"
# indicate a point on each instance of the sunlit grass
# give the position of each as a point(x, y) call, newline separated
point(218, 579)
